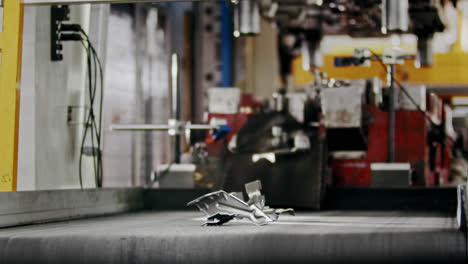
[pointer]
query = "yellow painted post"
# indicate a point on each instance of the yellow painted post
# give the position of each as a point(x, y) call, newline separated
point(10, 69)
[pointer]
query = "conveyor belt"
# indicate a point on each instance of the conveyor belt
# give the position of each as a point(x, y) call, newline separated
point(177, 237)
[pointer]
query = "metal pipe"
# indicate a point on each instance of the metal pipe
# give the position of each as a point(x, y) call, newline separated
point(395, 16)
point(175, 102)
point(174, 86)
point(391, 114)
point(200, 127)
point(249, 17)
point(160, 127)
point(305, 55)
point(142, 127)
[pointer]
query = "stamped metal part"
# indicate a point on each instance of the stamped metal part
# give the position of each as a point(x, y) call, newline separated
point(223, 203)
point(253, 190)
point(221, 207)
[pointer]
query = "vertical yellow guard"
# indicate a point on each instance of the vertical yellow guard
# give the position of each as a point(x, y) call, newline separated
point(10, 69)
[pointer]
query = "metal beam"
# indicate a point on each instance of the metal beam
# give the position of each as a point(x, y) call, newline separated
point(10, 69)
point(23, 208)
point(63, 2)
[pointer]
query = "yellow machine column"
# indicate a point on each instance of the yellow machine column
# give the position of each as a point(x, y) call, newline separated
point(10, 69)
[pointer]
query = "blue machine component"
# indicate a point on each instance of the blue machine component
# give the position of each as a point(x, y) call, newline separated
point(221, 132)
point(226, 48)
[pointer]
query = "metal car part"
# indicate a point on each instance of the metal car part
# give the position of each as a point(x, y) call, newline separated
point(221, 207)
point(223, 203)
point(253, 190)
point(239, 195)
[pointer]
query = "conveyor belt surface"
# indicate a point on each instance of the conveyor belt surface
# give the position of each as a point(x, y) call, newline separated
point(177, 237)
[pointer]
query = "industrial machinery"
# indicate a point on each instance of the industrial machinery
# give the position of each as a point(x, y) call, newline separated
point(339, 128)
point(302, 24)
point(415, 124)
point(358, 133)
point(287, 144)
point(346, 119)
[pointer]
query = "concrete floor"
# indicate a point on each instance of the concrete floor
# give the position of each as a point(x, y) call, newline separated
point(177, 237)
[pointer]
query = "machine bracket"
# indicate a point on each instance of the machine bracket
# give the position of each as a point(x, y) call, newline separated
point(58, 14)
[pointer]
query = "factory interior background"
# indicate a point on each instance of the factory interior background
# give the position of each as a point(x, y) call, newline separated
point(163, 131)
point(137, 81)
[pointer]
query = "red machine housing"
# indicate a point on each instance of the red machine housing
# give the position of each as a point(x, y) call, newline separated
point(430, 160)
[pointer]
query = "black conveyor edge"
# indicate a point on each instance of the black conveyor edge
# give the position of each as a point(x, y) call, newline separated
point(413, 199)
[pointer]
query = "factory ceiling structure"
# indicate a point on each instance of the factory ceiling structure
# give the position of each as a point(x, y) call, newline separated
point(237, 131)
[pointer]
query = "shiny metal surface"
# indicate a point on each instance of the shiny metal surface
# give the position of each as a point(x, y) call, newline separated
point(224, 207)
point(222, 203)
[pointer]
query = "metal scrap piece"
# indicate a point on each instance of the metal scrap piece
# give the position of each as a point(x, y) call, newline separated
point(239, 195)
point(253, 190)
point(221, 202)
point(272, 212)
point(221, 207)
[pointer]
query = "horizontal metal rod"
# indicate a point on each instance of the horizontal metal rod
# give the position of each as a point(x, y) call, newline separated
point(200, 127)
point(147, 127)
point(140, 127)
point(67, 2)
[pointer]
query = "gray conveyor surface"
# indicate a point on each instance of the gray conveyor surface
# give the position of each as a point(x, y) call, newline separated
point(177, 237)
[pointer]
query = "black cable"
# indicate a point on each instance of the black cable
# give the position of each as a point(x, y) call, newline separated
point(87, 122)
point(98, 128)
point(93, 62)
point(89, 116)
point(90, 120)
point(100, 73)
point(92, 92)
